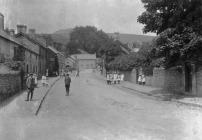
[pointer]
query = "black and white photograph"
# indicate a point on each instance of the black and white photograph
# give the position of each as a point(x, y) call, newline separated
point(100, 69)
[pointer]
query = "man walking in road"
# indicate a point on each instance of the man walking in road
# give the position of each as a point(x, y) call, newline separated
point(67, 83)
point(30, 83)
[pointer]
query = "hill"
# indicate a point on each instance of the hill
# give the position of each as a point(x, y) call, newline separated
point(63, 37)
point(60, 38)
point(131, 38)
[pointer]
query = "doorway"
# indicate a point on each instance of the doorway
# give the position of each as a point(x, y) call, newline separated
point(188, 77)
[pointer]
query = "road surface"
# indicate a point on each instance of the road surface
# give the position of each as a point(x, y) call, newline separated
point(96, 111)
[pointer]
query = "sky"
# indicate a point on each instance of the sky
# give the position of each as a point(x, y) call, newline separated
point(48, 16)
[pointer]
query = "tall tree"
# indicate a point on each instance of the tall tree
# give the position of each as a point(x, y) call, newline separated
point(87, 38)
point(178, 24)
point(92, 40)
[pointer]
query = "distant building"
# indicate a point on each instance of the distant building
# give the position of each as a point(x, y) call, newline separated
point(55, 61)
point(85, 61)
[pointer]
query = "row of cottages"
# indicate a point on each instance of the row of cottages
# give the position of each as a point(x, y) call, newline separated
point(28, 48)
point(34, 50)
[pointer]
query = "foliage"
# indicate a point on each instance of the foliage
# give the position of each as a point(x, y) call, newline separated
point(163, 14)
point(13, 65)
point(178, 24)
point(143, 59)
point(92, 40)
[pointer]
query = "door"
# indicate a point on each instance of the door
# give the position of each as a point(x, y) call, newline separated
point(188, 77)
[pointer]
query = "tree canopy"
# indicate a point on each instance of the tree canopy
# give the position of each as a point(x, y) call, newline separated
point(89, 39)
point(178, 24)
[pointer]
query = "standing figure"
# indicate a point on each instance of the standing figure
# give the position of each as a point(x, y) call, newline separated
point(46, 72)
point(143, 80)
point(115, 78)
point(35, 80)
point(77, 74)
point(30, 83)
point(122, 77)
point(67, 83)
point(108, 78)
point(118, 78)
point(140, 80)
point(43, 80)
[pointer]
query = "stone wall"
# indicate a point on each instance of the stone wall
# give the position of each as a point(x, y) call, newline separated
point(171, 79)
point(10, 84)
point(199, 81)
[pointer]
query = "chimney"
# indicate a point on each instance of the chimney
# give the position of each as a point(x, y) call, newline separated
point(22, 29)
point(1, 22)
point(32, 31)
point(117, 35)
point(12, 32)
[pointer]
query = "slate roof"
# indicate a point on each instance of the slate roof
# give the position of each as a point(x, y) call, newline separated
point(54, 50)
point(34, 39)
point(3, 34)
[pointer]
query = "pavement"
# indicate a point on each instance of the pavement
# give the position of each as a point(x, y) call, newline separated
point(97, 111)
point(164, 95)
point(38, 97)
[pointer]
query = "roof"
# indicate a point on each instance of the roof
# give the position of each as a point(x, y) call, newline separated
point(34, 39)
point(85, 56)
point(54, 50)
point(8, 37)
point(40, 40)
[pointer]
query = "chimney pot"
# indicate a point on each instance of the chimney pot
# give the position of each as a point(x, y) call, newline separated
point(22, 29)
point(32, 31)
point(12, 32)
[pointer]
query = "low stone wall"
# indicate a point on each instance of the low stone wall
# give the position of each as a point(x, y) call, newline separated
point(171, 79)
point(10, 84)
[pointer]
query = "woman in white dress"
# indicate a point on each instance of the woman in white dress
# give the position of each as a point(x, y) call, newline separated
point(140, 80)
point(43, 80)
point(143, 80)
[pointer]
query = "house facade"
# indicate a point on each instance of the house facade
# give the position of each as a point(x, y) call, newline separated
point(31, 60)
point(42, 50)
point(55, 61)
point(8, 43)
point(85, 61)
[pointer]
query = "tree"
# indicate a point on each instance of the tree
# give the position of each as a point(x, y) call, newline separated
point(88, 39)
point(178, 24)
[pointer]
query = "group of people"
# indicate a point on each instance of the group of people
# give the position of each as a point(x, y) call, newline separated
point(114, 78)
point(141, 79)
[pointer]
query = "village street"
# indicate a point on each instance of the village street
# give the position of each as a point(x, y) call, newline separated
point(96, 111)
